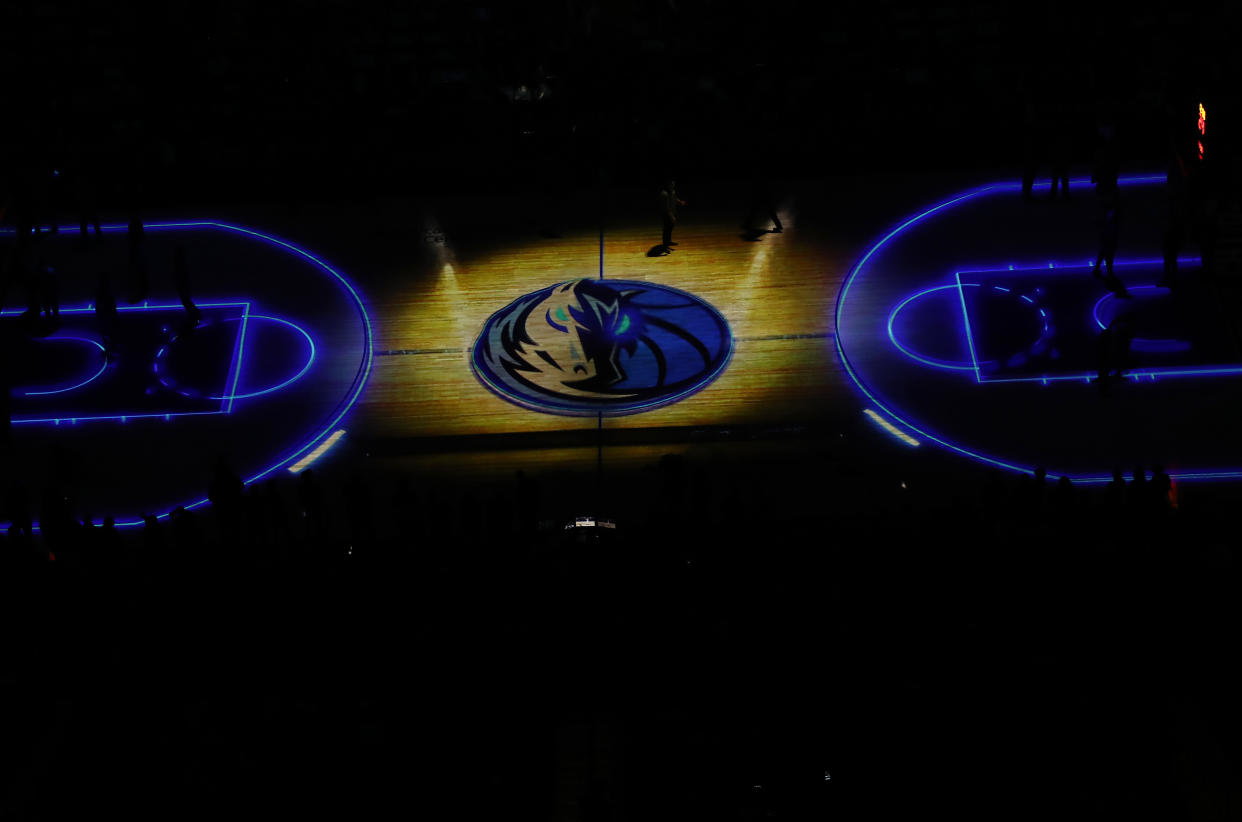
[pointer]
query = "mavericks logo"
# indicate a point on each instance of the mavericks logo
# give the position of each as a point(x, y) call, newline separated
point(602, 346)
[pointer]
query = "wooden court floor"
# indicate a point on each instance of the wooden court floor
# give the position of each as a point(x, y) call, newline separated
point(433, 269)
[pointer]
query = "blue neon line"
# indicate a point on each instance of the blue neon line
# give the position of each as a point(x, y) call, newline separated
point(970, 340)
point(90, 309)
point(309, 362)
point(58, 420)
point(1066, 268)
point(239, 352)
point(840, 307)
point(364, 370)
point(892, 336)
point(360, 378)
point(89, 379)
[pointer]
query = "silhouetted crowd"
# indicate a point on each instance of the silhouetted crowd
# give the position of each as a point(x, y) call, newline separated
point(313, 645)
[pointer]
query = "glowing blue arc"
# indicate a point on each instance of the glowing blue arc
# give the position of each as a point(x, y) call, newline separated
point(343, 407)
point(858, 267)
point(309, 360)
point(88, 380)
point(932, 361)
point(1141, 343)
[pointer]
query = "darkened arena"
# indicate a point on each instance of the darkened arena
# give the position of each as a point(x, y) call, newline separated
point(596, 410)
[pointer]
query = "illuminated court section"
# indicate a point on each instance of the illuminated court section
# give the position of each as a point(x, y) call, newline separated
point(775, 292)
point(967, 325)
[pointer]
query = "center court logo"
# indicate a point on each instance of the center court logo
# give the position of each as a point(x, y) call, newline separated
point(601, 346)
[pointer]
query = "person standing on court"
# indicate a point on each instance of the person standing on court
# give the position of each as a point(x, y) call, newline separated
point(668, 212)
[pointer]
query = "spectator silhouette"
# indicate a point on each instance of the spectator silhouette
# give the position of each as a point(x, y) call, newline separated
point(1038, 501)
point(1138, 492)
point(154, 551)
point(1161, 485)
point(762, 205)
point(6, 405)
point(137, 259)
point(276, 519)
point(1065, 501)
point(106, 315)
point(1115, 492)
point(84, 196)
point(181, 276)
point(1113, 351)
point(1031, 141)
point(668, 213)
point(1059, 154)
point(1176, 185)
point(18, 508)
point(224, 491)
point(1108, 248)
point(1106, 168)
point(49, 295)
point(187, 539)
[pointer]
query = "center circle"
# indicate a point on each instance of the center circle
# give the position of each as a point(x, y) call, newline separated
point(601, 347)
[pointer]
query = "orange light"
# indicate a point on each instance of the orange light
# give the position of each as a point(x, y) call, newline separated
point(1202, 128)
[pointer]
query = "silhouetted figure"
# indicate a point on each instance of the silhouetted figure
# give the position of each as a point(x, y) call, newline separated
point(1059, 154)
point(1161, 485)
point(84, 195)
point(18, 508)
point(1030, 146)
point(1176, 190)
point(1138, 493)
point(1115, 492)
point(137, 259)
point(49, 295)
point(1108, 249)
point(276, 519)
point(762, 205)
point(1064, 501)
point(1038, 501)
point(187, 538)
point(109, 547)
point(1113, 351)
point(6, 404)
point(225, 493)
point(181, 275)
point(106, 315)
point(1107, 166)
point(7, 266)
point(668, 212)
point(154, 551)
point(992, 499)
